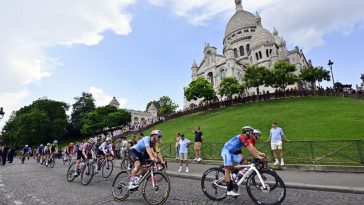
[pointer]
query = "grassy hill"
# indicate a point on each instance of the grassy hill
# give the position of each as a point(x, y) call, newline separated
point(307, 118)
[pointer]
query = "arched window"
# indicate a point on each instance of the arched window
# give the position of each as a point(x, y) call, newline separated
point(136, 120)
point(235, 52)
point(248, 48)
point(266, 52)
point(256, 56)
point(222, 74)
point(241, 50)
point(260, 55)
point(210, 77)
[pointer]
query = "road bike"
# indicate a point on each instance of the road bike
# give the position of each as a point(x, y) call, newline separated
point(106, 166)
point(263, 184)
point(71, 171)
point(155, 185)
point(67, 159)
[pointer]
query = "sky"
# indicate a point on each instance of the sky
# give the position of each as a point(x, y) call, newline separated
point(141, 50)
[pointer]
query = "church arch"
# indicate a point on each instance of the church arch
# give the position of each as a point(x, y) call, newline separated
point(222, 74)
point(210, 77)
point(235, 52)
point(241, 49)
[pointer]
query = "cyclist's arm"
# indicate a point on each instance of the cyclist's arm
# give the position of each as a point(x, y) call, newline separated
point(84, 153)
point(254, 152)
point(150, 153)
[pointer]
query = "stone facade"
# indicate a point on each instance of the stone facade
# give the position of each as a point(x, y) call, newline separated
point(139, 117)
point(361, 88)
point(246, 42)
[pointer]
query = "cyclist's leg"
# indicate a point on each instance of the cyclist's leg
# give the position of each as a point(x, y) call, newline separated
point(229, 159)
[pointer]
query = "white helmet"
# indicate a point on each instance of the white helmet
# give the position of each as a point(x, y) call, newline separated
point(108, 138)
point(55, 142)
point(156, 132)
point(256, 132)
point(246, 128)
point(26, 145)
point(91, 141)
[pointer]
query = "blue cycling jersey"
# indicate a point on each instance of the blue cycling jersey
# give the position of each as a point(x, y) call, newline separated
point(141, 145)
point(236, 143)
point(40, 149)
point(25, 149)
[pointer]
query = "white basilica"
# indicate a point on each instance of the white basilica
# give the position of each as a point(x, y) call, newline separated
point(246, 43)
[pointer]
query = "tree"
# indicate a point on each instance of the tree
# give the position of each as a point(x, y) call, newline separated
point(200, 88)
point(313, 74)
point(166, 106)
point(104, 117)
point(256, 76)
point(282, 75)
point(229, 86)
point(83, 105)
point(42, 121)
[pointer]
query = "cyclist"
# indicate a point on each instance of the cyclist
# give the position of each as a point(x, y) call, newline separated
point(26, 151)
point(227, 154)
point(85, 151)
point(104, 150)
point(47, 152)
point(54, 149)
point(70, 149)
point(144, 149)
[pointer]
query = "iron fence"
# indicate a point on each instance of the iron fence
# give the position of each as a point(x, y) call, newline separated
point(325, 152)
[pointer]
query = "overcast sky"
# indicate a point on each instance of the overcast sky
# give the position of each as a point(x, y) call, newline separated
point(140, 50)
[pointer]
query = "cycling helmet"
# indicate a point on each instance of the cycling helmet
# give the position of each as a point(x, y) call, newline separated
point(55, 142)
point(256, 132)
point(156, 132)
point(246, 128)
point(108, 138)
point(91, 141)
point(26, 145)
point(41, 145)
point(48, 144)
point(71, 144)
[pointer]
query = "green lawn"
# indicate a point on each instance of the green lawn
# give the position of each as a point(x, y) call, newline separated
point(307, 118)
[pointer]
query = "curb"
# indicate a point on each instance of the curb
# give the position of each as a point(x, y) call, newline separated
point(341, 189)
point(303, 167)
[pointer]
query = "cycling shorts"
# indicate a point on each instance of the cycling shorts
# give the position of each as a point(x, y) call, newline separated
point(137, 156)
point(229, 157)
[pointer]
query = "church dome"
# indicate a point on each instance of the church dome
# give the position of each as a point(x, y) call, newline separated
point(261, 36)
point(239, 20)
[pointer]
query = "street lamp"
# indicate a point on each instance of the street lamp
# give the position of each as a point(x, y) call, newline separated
point(2, 113)
point(332, 74)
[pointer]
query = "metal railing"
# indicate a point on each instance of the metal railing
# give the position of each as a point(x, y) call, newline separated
point(325, 152)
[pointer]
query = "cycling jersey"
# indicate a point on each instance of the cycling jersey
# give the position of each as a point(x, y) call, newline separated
point(104, 147)
point(86, 147)
point(46, 150)
point(144, 143)
point(26, 150)
point(40, 149)
point(236, 143)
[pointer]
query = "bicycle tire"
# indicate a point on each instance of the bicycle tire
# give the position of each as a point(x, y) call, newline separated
point(124, 183)
point(124, 164)
point(52, 163)
point(109, 165)
point(262, 174)
point(271, 179)
point(87, 170)
point(156, 188)
point(71, 172)
point(205, 183)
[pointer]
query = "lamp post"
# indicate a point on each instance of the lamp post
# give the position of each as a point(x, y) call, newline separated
point(332, 74)
point(2, 113)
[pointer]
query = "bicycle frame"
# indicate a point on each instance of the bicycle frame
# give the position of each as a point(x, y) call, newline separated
point(251, 169)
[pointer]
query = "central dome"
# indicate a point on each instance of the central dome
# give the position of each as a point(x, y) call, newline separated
point(239, 20)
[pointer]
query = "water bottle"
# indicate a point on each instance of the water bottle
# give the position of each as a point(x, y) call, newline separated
point(241, 173)
point(233, 177)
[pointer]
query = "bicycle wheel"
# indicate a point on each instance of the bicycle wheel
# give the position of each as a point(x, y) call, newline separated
point(52, 163)
point(71, 172)
point(87, 174)
point(274, 193)
point(107, 169)
point(213, 184)
point(120, 186)
point(160, 192)
point(124, 164)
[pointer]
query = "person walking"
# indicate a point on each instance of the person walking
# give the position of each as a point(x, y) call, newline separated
point(183, 152)
point(198, 143)
point(275, 138)
point(178, 137)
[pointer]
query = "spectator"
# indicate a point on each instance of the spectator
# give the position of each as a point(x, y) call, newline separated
point(11, 154)
point(123, 148)
point(275, 136)
point(4, 154)
point(198, 142)
point(183, 152)
point(178, 137)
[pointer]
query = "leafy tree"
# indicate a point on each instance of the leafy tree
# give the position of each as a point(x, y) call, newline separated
point(282, 75)
point(104, 117)
point(313, 74)
point(200, 88)
point(83, 105)
point(43, 120)
point(229, 86)
point(166, 106)
point(256, 76)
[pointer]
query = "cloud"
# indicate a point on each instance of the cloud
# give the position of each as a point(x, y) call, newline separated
point(301, 22)
point(102, 99)
point(29, 28)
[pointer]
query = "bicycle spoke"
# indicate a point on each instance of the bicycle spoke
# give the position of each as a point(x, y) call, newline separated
point(213, 184)
point(120, 190)
point(156, 189)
